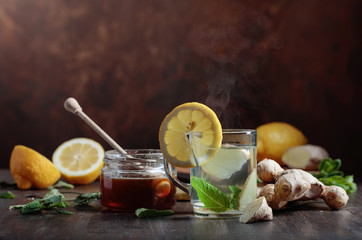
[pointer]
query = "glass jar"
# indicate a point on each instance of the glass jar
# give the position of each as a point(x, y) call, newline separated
point(136, 180)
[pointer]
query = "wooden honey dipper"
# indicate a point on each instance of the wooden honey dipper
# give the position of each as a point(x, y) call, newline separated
point(72, 105)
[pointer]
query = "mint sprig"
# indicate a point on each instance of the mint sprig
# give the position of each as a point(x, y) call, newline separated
point(151, 213)
point(329, 174)
point(54, 200)
point(210, 196)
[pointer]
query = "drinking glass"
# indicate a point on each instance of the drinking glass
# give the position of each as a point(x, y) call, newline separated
point(230, 168)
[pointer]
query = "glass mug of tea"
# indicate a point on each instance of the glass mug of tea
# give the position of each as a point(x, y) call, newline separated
point(230, 169)
point(136, 180)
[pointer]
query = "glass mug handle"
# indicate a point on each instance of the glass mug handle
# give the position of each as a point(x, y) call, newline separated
point(169, 173)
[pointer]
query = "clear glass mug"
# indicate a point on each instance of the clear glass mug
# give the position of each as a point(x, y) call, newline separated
point(230, 168)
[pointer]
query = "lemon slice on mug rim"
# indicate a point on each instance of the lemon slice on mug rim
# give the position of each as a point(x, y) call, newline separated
point(174, 139)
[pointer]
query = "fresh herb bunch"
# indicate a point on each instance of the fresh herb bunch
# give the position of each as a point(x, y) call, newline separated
point(213, 198)
point(329, 174)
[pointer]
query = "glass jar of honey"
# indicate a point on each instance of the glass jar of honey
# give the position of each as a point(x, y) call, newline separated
point(136, 180)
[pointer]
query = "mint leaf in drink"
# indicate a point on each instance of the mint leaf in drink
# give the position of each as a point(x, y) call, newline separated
point(149, 213)
point(210, 196)
point(86, 198)
point(235, 192)
point(7, 195)
point(62, 184)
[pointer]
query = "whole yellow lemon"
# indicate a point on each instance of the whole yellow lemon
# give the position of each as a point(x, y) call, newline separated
point(274, 138)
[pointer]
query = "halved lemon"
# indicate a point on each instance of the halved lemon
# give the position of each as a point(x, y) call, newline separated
point(174, 139)
point(31, 169)
point(79, 160)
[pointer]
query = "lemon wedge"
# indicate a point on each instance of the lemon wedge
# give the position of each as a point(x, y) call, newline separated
point(79, 160)
point(31, 169)
point(249, 192)
point(226, 162)
point(174, 140)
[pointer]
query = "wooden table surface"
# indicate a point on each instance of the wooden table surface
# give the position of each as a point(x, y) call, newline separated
point(313, 220)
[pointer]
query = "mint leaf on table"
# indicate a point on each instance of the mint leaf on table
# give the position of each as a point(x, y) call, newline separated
point(210, 196)
point(235, 192)
point(329, 174)
point(63, 211)
point(150, 213)
point(62, 184)
point(8, 195)
point(53, 200)
point(86, 198)
point(31, 207)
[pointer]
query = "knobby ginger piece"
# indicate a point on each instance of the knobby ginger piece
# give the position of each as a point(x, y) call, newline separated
point(257, 210)
point(296, 184)
point(268, 170)
point(259, 187)
point(335, 197)
point(305, 157)
point(273, 201)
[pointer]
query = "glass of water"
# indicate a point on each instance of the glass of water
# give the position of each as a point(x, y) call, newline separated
point(229, 171)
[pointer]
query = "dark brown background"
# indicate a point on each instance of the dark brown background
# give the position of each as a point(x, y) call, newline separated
point(131, 62)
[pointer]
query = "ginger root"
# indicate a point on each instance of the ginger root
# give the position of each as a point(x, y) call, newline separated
point(335, 197)
point(257, 210)
point(268, 170)
point(298, 185)
point(305, 157)
point(273, 201)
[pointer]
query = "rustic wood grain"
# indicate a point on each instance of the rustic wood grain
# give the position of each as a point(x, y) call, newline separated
point(313, 220)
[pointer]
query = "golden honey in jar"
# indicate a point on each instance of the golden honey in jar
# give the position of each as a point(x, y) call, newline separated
point(136, 180)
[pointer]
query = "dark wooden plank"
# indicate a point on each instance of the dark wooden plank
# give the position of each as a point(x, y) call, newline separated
point(313, 220)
